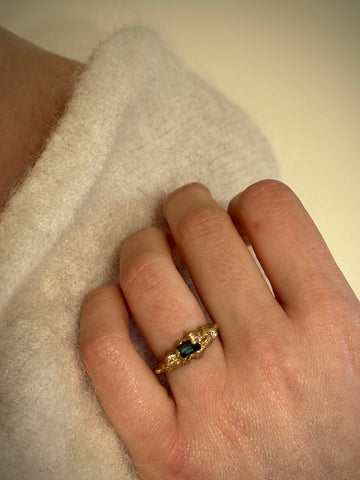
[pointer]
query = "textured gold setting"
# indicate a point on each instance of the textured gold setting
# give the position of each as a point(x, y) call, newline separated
point(203, 336)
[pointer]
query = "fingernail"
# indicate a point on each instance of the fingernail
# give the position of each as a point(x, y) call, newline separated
point(184, 187)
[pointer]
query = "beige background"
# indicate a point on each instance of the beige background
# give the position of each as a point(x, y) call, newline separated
point(293, 65)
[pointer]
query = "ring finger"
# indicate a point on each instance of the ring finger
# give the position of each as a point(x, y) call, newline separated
point(163, 306)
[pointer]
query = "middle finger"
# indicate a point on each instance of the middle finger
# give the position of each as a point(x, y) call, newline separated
point(230, 283)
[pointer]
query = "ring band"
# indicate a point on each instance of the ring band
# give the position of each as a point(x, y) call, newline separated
point(189, 348)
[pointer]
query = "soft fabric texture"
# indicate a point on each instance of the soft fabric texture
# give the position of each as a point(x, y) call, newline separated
point(139, 125)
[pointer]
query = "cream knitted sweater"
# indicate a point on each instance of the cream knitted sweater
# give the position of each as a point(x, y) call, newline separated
point(139, 125)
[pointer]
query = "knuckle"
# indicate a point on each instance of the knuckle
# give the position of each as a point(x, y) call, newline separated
point(337, 324)
point(271, 197)
point(277, 366)
point(99, 295)
point(144, 273)
point(143, 232)
point(103, 353)
point(96, 301)
point(202, 222)
point(180, 461)
point(267, 188)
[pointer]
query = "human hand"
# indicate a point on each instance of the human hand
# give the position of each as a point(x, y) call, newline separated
point(277, 395)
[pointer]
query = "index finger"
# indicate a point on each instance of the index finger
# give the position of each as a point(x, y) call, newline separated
point(288, 245)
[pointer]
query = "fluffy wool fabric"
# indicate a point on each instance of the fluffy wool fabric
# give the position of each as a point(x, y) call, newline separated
point(139, 125)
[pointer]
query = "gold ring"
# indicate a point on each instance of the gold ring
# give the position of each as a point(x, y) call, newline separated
point(189, 348)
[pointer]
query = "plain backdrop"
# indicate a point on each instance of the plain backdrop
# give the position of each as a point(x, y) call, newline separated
point(293, 65)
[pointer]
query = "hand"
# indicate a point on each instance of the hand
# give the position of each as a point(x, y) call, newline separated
point(277, 395)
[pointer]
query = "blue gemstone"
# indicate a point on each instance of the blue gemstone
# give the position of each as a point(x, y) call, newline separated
point(187, 348)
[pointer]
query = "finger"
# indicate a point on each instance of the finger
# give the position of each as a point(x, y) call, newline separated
point(134, 401)
point(164, 307)
point(287, 243)
point(227, 277)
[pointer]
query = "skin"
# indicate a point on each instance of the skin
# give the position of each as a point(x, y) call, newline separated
point(277, 396)
point(35, 86)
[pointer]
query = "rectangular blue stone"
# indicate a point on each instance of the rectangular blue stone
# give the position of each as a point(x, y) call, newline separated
point(187, 348)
